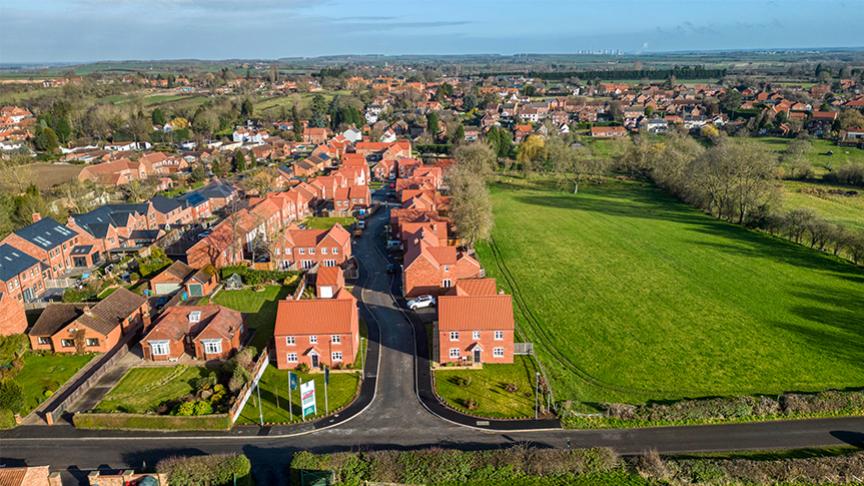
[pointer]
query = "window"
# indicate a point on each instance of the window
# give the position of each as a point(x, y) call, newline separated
point(475, 335)
point(92, 342)
point(158, 348)
point(313, 339)
point(324, 250)
point(287, 251)
point(292, 357)
point(336, 356)
point(499, 335)
point(278, 250)
point(454, 353)
point(454, 335)
point(334, 250)
point(302, 251)
point(311, 251)
point(446, 283)
point(336, 339)
point(67, 343)
point(44, 340)
point(498, 352)
point(289, 340)
point(195, 316)
point(212, 346)
point(446, 268)
point(330, 263)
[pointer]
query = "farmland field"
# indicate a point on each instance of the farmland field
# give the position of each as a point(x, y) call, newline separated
point(631, 296)
point(837, 204)
point(823, 154)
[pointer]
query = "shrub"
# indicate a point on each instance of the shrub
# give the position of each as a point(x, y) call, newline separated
point(13, 346)
point(214, 470)
point(246, 357)
point(202, 407)
point(511, 387)
point(11, 396)
point(651, 465)
point(185, 409)
point(258, 277)
point(302, 368)
point(462, 380)
point(471, 404)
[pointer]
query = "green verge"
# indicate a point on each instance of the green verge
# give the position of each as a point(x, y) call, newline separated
point(488, 388)
point(127, 421)
point(631, 296)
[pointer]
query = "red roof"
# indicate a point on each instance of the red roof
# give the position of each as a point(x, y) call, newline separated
point(316, 316)
point(487, 312)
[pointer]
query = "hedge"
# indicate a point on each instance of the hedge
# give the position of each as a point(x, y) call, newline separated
point(830, 403)
point(214, 470)
point(520, 465)
point(133, 421)
point(251, 276)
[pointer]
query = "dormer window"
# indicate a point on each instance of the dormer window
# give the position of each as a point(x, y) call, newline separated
point(195, 316)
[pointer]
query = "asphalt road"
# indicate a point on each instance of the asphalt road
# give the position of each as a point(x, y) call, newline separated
point(395, 418)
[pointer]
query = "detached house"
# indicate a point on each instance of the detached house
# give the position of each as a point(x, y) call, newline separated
point(205, 332)
point(70, 328)
point(179, 276)
point(475, 324)
point(430, 268)
point(305, 248)
point(317, 332)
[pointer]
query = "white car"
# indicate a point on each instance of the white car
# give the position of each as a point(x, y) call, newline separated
point(421, 302)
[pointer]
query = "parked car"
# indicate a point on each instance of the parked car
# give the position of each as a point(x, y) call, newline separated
point(393, 268)
point(361, 224)
point(421, 302)
point(394, 245)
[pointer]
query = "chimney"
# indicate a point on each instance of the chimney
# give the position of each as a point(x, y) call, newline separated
point(36, 217)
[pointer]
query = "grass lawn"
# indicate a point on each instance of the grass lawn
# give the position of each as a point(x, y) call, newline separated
point(487, 388)
point(342, 390)
point(258, 308)
point(142, 390)
point(844, 210)
point(43, 373)
point(327, 223)
point(818, 153)
point(631, 296)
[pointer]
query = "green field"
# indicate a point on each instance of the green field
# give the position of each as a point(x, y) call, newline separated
point(487, 387)
point(258, 308)
point(142, 390)
point(341, 391)
point(845, 210)
point(44, 374)
point(630, 296)
point(823, 154)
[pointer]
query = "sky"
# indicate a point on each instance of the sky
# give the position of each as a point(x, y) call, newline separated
point(36, 31)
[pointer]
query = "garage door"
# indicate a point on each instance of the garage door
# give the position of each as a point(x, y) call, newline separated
point(166, 288)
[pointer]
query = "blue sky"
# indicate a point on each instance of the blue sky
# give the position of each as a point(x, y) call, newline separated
point(89, 30)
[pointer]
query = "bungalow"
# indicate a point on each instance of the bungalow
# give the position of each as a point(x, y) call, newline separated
point(70, 328)
point(317, 332)
point(205, 332)
point(608, 132)
point(475, 324)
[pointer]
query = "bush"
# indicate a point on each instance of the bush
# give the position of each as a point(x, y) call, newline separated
point(214, 470)
point(254, 277)
point(11, 396)
point(155, 262)
point(511, 387)
point(202, 408)
point(471, 404)
point(302, 368)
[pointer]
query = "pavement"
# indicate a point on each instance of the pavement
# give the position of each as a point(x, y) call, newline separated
point(396, 410)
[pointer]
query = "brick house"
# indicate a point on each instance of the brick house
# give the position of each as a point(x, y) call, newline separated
point(317, 332)
point(328, 281)
point(305, 248)
point(430, 268)
point(13, 319)
point(205, 332)
point(475, 324)
point(69, 328)
point(49, 242)
point(608, 132)
point(20, 275)
point(178, 275)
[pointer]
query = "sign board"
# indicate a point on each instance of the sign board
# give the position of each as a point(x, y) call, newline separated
point(307, 398)
point(326, 375)
point(292, 380)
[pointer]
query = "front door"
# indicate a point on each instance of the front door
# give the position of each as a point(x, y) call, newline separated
point(477, 355)
point(314, 360)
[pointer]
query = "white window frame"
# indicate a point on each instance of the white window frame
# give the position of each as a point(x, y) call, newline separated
point(312, 251)
point(497, 352)
point(446, 283)
point(475, 335)
point(499, 335)
point(455, 353)
point(334, 250)
point(63, 343)
point(92, 345)
point(290, 340)
point(336, 356)
point(291, 357)
point(44, 340)
point(313, 339)
point(302, 251)
point(159, 348)
point(336, 339)
point(454, 335)
point(195, 316)
point(212, 346)
point(323, 250)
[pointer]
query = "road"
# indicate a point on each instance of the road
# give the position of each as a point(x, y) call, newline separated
point(395, 418)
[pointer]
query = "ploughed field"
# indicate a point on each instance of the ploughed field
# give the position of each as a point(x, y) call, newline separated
point(631, 296)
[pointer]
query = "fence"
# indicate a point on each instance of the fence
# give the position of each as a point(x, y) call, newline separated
point(60, 283)
point(84, 380)
point(524, 349)
point(246, 391)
